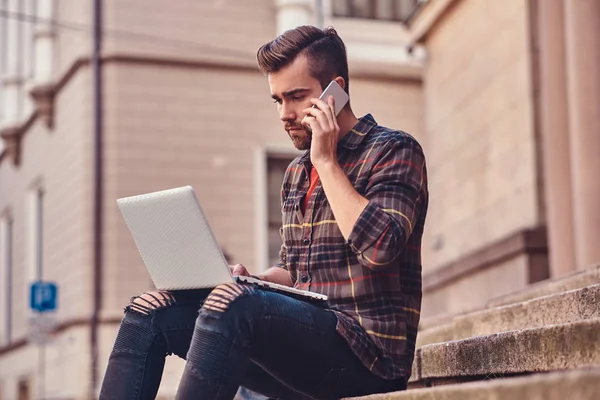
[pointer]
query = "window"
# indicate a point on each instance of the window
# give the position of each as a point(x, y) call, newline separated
point(3, 34)
point(276, 166)
point(28, 30)
point(6, 265)
point(17, 52)
point(387, 10)
point(35, 235)
point(3, 57)
point(27, 55)
point(24, 390)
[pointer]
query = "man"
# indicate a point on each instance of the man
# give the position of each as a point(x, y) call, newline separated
point(353, 210)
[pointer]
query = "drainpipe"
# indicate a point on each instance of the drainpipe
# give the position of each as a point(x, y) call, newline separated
point(96, 66)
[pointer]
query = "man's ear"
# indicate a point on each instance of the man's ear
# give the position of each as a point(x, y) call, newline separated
point(341, 81)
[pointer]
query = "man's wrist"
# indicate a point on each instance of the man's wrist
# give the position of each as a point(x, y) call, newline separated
point(326, 167)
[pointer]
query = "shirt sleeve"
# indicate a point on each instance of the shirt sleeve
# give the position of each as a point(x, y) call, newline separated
point(282, 263)
point(394, 191)
point(282, 253)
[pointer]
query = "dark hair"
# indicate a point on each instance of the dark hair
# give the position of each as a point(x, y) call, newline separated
point(323, 47)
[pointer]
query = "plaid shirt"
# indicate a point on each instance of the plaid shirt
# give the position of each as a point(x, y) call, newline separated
point(373, 280)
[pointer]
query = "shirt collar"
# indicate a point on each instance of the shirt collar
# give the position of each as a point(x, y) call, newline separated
point(357, 134)
point(354, 138)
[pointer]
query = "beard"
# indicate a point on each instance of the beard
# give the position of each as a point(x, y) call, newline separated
point(301, 137)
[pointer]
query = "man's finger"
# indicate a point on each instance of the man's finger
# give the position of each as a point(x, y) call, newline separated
point(312, 111)
point(331, 103)
point(322, 117)
point(327, 110)
point(331, 116)
point(239, 269)
point(334, 120)
point(307, 121)
point(320, 104)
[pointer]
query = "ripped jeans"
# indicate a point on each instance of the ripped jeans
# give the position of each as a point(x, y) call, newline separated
point(269, 343)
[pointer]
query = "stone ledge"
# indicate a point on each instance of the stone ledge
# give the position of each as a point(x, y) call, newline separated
point(580, 384)
point(579, 279)
point(574, 305)
point(11, 136)
point(527, 241)
point(549, 348)
point(43, 96)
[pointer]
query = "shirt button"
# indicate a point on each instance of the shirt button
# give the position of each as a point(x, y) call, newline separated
point(305, 241)
point(304, 279)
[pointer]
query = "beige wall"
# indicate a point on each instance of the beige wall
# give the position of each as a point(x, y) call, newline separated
point(472, 291)
point(395, 104)
point(169, 127)
point(189, 28)
point(479, 128)
point(60, 163)
point(65, 367)
point(73, 39)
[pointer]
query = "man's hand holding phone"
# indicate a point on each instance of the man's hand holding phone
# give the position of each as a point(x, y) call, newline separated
point(325, 131)
point(321, 119)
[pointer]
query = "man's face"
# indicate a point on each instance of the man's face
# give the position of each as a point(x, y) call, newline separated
point(292, 87)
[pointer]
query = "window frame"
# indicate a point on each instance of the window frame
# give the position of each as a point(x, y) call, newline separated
point(6, 277)
point(262, 156)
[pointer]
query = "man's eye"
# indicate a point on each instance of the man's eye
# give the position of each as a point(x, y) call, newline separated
point(277, 101)
point(297, 98)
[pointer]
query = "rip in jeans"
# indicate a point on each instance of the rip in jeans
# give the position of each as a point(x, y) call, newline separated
point(148, 302)
point(223, 295)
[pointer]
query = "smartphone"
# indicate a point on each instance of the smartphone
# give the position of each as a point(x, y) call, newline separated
point(340, 97)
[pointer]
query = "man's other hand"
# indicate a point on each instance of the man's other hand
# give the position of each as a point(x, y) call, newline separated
point(239, 270)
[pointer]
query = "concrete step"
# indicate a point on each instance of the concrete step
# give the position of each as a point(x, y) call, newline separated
point(580, 384)
point(577, 280)
point(571, 306)
point(547, 348)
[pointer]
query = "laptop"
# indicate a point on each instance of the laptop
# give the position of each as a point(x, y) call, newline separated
point(178, 247)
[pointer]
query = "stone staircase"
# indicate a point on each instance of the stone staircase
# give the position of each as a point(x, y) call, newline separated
point(582, 384)
point(539, 343)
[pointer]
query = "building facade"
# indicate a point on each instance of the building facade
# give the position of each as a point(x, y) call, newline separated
point(512, 137)
point(107, 99)
point(503, 96)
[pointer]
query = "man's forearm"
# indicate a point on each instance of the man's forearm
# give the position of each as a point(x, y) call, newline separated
point(346, 203)
point(277, 275)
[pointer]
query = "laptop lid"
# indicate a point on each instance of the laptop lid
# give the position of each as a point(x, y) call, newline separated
point(175, 240)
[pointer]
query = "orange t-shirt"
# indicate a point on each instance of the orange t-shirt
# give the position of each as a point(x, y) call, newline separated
point(314, 178)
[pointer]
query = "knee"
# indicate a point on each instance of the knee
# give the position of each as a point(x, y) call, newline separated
point(136, 333)
point(148, 302)
point(223, 296)
point(225, 316)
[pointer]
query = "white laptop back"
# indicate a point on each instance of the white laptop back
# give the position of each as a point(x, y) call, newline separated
point(178, 246)
point(175, 240)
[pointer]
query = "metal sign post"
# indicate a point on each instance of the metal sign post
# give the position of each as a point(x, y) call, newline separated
point(43, 302)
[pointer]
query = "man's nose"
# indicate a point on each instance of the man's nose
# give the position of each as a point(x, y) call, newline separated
point(286, 113)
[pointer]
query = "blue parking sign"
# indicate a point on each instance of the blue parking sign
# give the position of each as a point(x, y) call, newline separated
point(43, 296)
